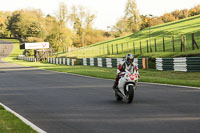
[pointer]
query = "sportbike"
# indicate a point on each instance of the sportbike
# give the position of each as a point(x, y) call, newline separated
point(127, 86)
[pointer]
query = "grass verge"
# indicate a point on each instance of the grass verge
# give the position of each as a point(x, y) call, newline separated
point(9, 123)
point(150, 75)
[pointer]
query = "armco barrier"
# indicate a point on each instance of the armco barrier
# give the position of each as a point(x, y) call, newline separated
point(63, 61)
point(99, 62)
point(23, 57)
point(111, 62)
point(186, 64)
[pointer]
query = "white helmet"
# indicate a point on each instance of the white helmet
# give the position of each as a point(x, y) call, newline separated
point(129, 58)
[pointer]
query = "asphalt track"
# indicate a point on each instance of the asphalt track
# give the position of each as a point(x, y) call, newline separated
point(65, 103)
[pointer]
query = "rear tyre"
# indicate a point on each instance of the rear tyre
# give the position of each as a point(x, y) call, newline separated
point(130, 94)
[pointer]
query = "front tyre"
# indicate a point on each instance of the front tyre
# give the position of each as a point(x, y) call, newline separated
point(130, 94)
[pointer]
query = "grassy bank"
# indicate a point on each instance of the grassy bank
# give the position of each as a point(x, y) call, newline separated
point(121, 45)
point(11, 124)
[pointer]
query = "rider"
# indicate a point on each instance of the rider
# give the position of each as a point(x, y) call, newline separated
point(128, 64)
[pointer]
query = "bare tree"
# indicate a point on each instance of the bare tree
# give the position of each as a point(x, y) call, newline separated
point(81, 20)
point(132, 15)
point(62, 16)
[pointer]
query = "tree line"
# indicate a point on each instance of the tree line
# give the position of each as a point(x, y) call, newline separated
point(132, 21)
point(68, 28)
point(73, 27)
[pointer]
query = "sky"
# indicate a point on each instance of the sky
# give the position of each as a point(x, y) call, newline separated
point(107, 11)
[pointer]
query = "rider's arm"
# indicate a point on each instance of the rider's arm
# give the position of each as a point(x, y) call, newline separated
point(120, 68)
point(136, 68)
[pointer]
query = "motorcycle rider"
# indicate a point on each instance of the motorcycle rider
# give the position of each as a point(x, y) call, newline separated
point(126, 64)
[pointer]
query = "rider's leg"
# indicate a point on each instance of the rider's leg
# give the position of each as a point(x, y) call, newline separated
point(116, 82)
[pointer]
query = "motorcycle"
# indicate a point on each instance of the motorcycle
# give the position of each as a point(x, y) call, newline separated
point(127, 86)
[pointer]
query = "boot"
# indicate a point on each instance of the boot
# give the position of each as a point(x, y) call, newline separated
point(115, 88)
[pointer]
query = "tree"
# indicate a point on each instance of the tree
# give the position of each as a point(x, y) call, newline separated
point(82, 20)
point(3, 30)
point(168, 17)
point(197, 9)
point(3, 23)
point(58, 35)
point(26, 23)
point(62, 14)
point(192, 12)
point(176, 14)
point(62, 17)
point(34, 29)
point(184, 14)
point(132, 15)
point(121, 27)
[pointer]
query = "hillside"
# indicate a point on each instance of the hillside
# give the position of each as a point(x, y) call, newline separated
point(120, 46)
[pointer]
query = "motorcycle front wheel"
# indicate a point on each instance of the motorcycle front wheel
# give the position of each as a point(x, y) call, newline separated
point(130, 94)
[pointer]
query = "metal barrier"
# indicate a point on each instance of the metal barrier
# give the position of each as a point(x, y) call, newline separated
point(63, 61)
point(99, 62)
point(186, 64)
point(112, 62)
point(23, 57)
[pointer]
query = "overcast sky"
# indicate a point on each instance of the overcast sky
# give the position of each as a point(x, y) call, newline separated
point(107, 11)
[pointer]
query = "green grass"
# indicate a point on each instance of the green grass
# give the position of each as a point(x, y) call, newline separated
point(9, 123)
point(152, 76)
point(185, 26)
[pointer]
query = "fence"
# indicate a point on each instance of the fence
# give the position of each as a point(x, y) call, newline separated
point(165, 43)
point(99, 62)
point(23, 57)
point(64, 61)
point(186, 64)
point(112, 62)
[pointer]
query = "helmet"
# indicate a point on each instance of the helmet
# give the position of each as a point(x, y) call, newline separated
point(129, 58)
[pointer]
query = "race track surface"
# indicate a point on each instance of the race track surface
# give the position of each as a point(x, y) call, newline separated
point(65, 103)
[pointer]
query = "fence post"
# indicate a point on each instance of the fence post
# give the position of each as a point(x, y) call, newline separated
point(182, 43)
point(107, 49)
point(147, 47)
point(163, 44)
point(103, 50)
point(117, 48)
point(99, 50)
point(194, 42)
point(173, 43)
point(122, 48)
point(112, 49)
point(140, 47)
point(127, 47)
point(134, 48)
point(155, 45)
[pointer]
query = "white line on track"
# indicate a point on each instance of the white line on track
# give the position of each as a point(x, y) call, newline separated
point(27, 122)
